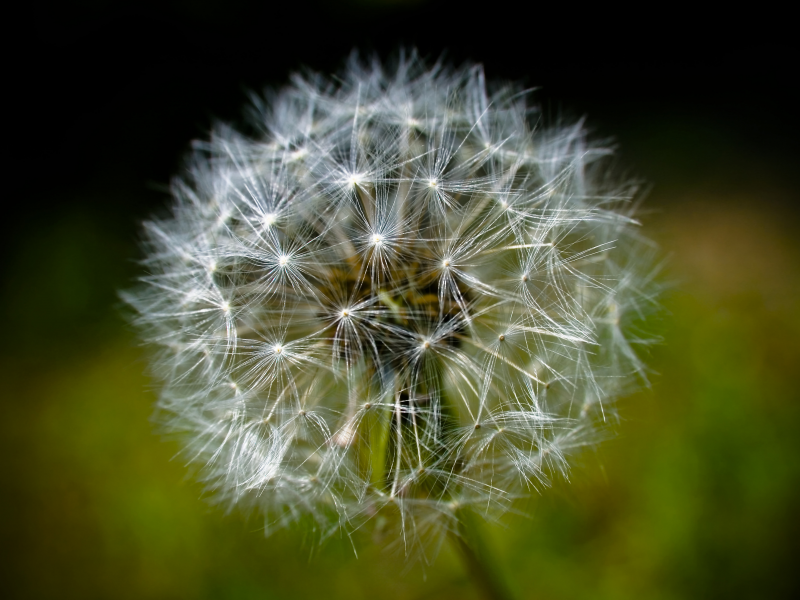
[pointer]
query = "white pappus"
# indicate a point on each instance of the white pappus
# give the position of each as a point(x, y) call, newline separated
point(404, 297)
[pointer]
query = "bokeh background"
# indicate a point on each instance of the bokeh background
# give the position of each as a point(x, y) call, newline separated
point(697, 497)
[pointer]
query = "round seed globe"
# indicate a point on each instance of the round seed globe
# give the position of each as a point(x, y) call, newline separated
point(405, 297)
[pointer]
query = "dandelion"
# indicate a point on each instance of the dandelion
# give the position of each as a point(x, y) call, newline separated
point(403, 300)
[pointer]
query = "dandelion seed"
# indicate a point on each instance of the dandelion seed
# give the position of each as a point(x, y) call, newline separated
point(460, 302)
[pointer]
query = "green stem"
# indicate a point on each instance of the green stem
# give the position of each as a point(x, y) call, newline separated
point(473, 553)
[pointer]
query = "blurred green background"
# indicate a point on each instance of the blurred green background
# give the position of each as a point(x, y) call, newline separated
point(696, 498)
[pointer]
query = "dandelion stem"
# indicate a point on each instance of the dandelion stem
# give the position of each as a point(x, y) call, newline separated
point(473, 554)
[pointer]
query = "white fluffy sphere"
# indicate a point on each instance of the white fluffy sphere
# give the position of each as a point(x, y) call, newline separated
point(406, 296)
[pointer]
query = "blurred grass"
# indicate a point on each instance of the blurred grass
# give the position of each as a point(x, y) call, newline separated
point(697, 498)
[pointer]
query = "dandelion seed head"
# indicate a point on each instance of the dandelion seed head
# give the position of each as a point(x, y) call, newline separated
point(388, 360)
